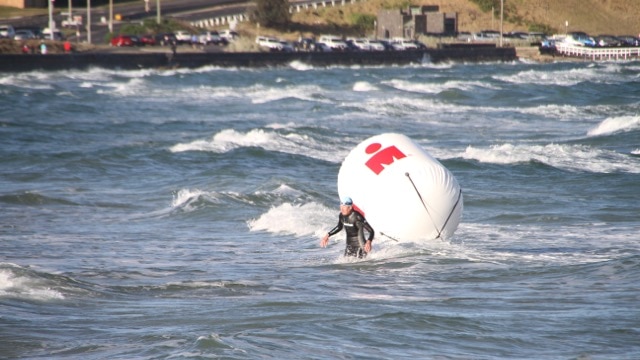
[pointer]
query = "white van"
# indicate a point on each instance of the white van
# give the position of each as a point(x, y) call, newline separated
point(403, 44)
point(7, 31)
point(334, 42)
point(230, 35)
point(57, 34)
point(270, 43)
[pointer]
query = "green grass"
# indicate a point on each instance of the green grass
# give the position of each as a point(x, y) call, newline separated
point(7, 12)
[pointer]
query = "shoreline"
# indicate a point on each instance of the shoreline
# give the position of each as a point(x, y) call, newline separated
point(183, 58)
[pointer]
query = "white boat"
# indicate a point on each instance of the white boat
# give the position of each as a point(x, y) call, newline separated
point(404, 193)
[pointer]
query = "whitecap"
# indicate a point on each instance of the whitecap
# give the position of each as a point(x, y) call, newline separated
point(364, 86)
point(261, 94)
point(185, 199)
point(616, 124)
point(310, 219)
point(542, 76)
point(291, 143)
point(23, 286)
point(300, 66)
point(435, 88)
point(568, 157)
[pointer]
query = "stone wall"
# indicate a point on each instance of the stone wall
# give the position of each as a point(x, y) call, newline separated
point(132, 61)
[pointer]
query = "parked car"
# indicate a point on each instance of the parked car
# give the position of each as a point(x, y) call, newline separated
point(57, 34)
point(387, 45)
point(360, 44)
point(607, 41)
point(465, 36)
point(165, 39)
point(351, 46)
point(7, 31)
point(182, 36)
point(37, 31)
point(579, 38)
point(147, 40)
point(321, 47)
point(334, 42)
point(629, 40)
point(71, 22)
point(404, 44)
point(287, 46)
point(490, 34)
point(376, 45)
point(420, 45)
point(229, 35)
point(122, 40)
point(271, 43)
point(211, 37)
point(24, 35)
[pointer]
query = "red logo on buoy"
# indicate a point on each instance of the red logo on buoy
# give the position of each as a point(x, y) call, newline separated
point(382, 157)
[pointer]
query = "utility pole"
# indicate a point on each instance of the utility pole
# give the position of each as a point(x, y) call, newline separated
point(158, 11)
point(111, 16)
point(89, 21)
point(51, 23)
point(501, 20)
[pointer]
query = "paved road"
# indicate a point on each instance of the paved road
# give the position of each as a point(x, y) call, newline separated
point(188, 10)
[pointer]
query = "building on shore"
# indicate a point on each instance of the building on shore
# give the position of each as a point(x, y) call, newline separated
point(23, 4)
point(416, 20)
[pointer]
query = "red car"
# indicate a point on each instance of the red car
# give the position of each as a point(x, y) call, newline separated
point(122, 40)
point(147, 40)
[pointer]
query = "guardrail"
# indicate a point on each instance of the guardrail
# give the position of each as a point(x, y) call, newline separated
point(227, 19)
point(612, 53)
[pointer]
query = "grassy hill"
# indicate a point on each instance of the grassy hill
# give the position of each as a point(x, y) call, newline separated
point(617, 17)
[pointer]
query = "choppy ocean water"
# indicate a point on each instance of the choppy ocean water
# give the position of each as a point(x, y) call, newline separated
point(177, 214)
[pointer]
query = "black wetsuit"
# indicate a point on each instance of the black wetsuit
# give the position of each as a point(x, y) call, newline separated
point(354, 224)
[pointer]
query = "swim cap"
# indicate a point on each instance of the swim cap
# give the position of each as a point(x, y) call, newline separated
point(346, 201)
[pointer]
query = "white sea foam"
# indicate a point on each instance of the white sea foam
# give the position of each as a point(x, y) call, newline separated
point(291, 143)
point(185, 198)
point(571, 77)
point(300, 66)
point(615, 125)
point(310, 219)
point(559, 112)
point(568, 157)
point(33, 80)
point(13, 285)
point(364, 86)
point(434, 88)
point(261, 94)
point(133, 87)
point(283, 190)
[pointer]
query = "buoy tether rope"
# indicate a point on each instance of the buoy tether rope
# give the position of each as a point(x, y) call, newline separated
point(390, 237)
point(451, 213)
point(423, 204)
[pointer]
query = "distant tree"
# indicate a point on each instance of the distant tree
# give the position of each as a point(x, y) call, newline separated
point(272, 13)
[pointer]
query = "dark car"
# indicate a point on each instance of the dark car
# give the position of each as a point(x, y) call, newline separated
point(37, 31)
point(607, 41)
point(420, 45)
point(629, 40)
point(166, 39)
point(387, 45)
point(351, 46)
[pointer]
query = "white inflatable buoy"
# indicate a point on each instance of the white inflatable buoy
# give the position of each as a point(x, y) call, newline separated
point(403, 192)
